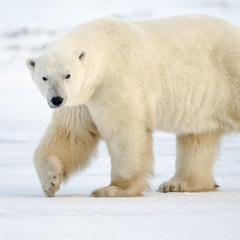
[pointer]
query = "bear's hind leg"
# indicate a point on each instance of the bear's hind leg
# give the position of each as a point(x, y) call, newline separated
point(194, 165)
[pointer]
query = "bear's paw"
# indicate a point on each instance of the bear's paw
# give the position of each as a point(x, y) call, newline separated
point(111, 191)
point(51, 184)
point(174, 186)
point(178, 185)
point(50, 173)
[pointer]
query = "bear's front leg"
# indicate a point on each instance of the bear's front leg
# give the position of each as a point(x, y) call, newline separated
point(194, 165)
point(67, 146)
point(132, 162)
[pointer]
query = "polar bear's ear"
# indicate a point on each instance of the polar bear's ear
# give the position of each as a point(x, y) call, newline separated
point(83, 55)
point(31, 62)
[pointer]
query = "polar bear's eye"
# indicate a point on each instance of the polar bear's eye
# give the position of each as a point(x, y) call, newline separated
point(44, 79)
point(67, 76)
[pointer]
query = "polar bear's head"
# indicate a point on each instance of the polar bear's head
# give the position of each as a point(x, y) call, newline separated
point(60, 75)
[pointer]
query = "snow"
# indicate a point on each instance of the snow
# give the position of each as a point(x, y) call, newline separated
point(26, 27)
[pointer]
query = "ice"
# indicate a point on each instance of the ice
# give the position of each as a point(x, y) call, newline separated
point(26, 27)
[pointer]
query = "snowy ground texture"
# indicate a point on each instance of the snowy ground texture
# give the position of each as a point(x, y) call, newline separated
point(26, 27)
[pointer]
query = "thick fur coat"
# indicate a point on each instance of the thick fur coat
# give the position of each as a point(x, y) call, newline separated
point(121, 80)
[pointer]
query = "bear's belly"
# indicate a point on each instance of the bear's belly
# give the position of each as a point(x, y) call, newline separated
point(188, 125)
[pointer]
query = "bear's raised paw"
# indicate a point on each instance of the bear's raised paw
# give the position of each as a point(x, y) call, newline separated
point(51, 185)
point(50, 173)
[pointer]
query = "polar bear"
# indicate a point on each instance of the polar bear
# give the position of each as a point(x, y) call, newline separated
point(120, 80)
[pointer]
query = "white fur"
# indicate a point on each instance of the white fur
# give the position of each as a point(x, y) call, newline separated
point(179, 74)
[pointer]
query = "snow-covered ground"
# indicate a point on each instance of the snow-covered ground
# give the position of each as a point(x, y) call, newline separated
point(25, 28)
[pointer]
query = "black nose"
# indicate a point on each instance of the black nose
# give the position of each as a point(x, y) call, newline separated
point(57, 101)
